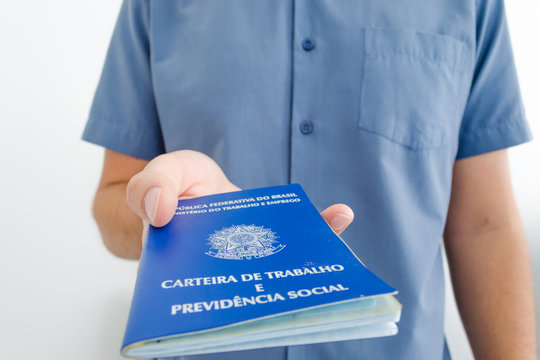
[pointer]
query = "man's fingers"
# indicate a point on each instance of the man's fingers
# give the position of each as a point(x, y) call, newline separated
point(153, 193)
point(338, 216)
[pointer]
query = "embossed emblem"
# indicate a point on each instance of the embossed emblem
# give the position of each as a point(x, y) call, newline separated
point(243, 242)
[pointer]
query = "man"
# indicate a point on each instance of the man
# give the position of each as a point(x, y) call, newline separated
point(401, 110)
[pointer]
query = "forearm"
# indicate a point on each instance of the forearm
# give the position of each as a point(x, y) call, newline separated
point(492, 281)
point(121, 229)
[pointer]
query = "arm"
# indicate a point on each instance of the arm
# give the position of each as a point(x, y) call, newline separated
point(121, 229)
point(489, 260)
point(133, 191)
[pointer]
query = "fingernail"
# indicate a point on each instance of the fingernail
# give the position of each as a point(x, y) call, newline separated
point(340, 222)
point(151, 201)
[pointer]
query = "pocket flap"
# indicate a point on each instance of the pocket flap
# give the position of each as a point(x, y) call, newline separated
point(418, 46)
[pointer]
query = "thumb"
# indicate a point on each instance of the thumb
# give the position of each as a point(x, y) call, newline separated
point(153, 193)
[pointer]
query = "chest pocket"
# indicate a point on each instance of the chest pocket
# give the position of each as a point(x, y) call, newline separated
point(410, 86)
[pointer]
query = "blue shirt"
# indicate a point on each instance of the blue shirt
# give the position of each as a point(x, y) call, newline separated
point(365, 102)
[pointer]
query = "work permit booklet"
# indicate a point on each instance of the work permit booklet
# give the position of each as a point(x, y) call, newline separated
point(252, 269)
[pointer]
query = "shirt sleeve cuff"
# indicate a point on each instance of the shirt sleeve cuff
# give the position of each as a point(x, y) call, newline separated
point(130, 142)
point(503, 135)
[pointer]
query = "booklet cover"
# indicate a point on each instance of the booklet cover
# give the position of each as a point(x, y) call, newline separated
point(251, 269)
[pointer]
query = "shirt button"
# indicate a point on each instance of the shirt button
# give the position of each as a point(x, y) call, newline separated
point(308, 44)
point(306, 127)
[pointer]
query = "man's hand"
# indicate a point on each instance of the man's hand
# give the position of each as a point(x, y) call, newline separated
point(153, 193)
point(153, 189)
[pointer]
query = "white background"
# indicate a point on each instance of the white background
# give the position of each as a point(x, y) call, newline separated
point(62, 296)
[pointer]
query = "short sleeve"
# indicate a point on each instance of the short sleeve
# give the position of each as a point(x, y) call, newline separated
point(123, 115)
point(494, 117)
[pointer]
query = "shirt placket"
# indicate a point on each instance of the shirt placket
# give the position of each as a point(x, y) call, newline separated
point(304, 119)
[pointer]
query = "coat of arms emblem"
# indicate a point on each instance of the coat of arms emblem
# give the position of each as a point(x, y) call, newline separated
point(243, 242)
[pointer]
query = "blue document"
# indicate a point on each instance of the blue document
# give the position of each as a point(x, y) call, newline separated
point(251, 269)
